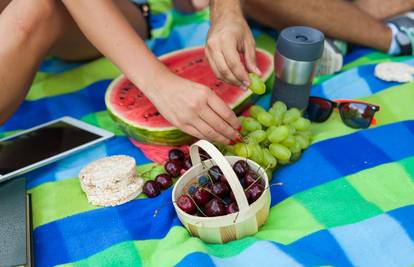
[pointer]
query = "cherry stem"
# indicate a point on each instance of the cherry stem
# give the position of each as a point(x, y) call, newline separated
point(237, 215)
point(198, 208)
point(274, 184)
point(255, 181)
point(150, 170)
point(163, 205)
point(208, 190)
point(205, 169)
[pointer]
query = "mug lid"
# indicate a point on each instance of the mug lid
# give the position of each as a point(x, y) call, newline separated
point(300, 43)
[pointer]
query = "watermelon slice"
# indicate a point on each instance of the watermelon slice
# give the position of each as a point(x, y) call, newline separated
point(138, 117)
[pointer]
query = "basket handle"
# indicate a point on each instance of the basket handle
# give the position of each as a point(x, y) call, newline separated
point(224, 166)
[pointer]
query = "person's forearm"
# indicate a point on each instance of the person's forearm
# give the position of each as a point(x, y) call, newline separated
point(219, 8)
point(107, 29)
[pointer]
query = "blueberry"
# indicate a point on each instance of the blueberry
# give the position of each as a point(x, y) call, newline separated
point(192, 189)
point(202, 180)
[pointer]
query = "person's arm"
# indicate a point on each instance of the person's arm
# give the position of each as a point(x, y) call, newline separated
point(228, 38)
point(191, 107)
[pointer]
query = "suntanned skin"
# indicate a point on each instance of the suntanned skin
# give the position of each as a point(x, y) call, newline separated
point(359, 21)
point(78, 30)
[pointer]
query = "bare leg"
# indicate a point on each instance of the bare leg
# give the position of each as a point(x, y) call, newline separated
point(30, 30)
point(382, 9)
point(336, 18)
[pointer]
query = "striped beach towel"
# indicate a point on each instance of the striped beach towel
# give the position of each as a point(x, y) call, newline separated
point(347, 202)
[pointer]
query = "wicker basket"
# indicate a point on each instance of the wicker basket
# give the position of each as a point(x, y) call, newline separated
point(229, 227)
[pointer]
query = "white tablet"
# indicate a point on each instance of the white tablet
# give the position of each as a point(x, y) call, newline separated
point(46, 143)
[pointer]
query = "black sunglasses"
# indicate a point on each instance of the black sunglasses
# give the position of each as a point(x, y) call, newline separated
point(355, 114)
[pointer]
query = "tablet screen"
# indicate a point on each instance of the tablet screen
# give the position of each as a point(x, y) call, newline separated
point(40, 144)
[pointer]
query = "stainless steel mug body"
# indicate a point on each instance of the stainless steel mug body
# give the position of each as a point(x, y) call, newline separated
point(298, 50)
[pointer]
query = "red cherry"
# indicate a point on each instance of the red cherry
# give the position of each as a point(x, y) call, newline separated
point(151, 188)
point(164, 180)
point(187, 164)
point(241, 168)
point(176, 154)
point(215, 174)
point(232, 197)
point(203, 154)
point(249, 179)
point(232, 208)
point(173, 167)
point(201, 196)
point(215, 208)
point(185, 203)
point(254, 192)
point(220, 189)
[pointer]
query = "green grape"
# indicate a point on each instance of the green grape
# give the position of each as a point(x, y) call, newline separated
point(256, 84)
point(296, 148)
point(250, 124)
point(244, 132)
point(270, 129)
point(281, 152)
point(279, 106)
point(301, 124)
point(307, 133)
point(241, 118)
point(266, 143)
point(229, 153)
point(269, 173)
point(257, 136)
point(277, 116)
point(257, 153)
point(292, 130)
point(302, 141)
point(295, 156)
point(265, 119)
point(284, 162)
point(229, 148)
point(268, 160)
point(242, 150)
point(289, 142)
point(221, 147)
point(255, 110)
point(279, 134)
point(291, 115)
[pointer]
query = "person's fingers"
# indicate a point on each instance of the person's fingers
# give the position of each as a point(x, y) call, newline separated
point(208, 132)
point(225, 73)
point(192, 131)
point(218, 124)
point(212, 63)
point(250, 57)
point(221, 109)
point(232, 57)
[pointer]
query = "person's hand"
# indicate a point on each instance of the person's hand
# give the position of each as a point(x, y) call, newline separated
point(229, 43)
point(195, 109)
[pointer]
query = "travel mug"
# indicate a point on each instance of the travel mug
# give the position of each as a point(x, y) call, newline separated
point(298, 50)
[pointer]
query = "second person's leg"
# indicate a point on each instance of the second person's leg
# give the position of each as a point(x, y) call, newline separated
point(336, 18)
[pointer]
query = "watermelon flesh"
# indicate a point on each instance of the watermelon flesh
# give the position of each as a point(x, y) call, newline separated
point(140, 119)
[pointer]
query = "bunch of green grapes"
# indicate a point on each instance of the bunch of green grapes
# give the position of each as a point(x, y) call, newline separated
point(273, 137)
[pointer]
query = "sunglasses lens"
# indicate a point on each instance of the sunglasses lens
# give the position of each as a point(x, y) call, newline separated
point(357, 115)
point(318, 109)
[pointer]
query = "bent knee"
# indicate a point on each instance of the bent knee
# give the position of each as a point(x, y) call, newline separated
point(35, 16)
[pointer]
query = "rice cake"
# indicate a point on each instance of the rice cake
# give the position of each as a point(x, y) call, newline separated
point(111, 181)
point(394, 72)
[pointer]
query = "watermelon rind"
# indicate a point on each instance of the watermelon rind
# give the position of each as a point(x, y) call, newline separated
point(172, 136)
